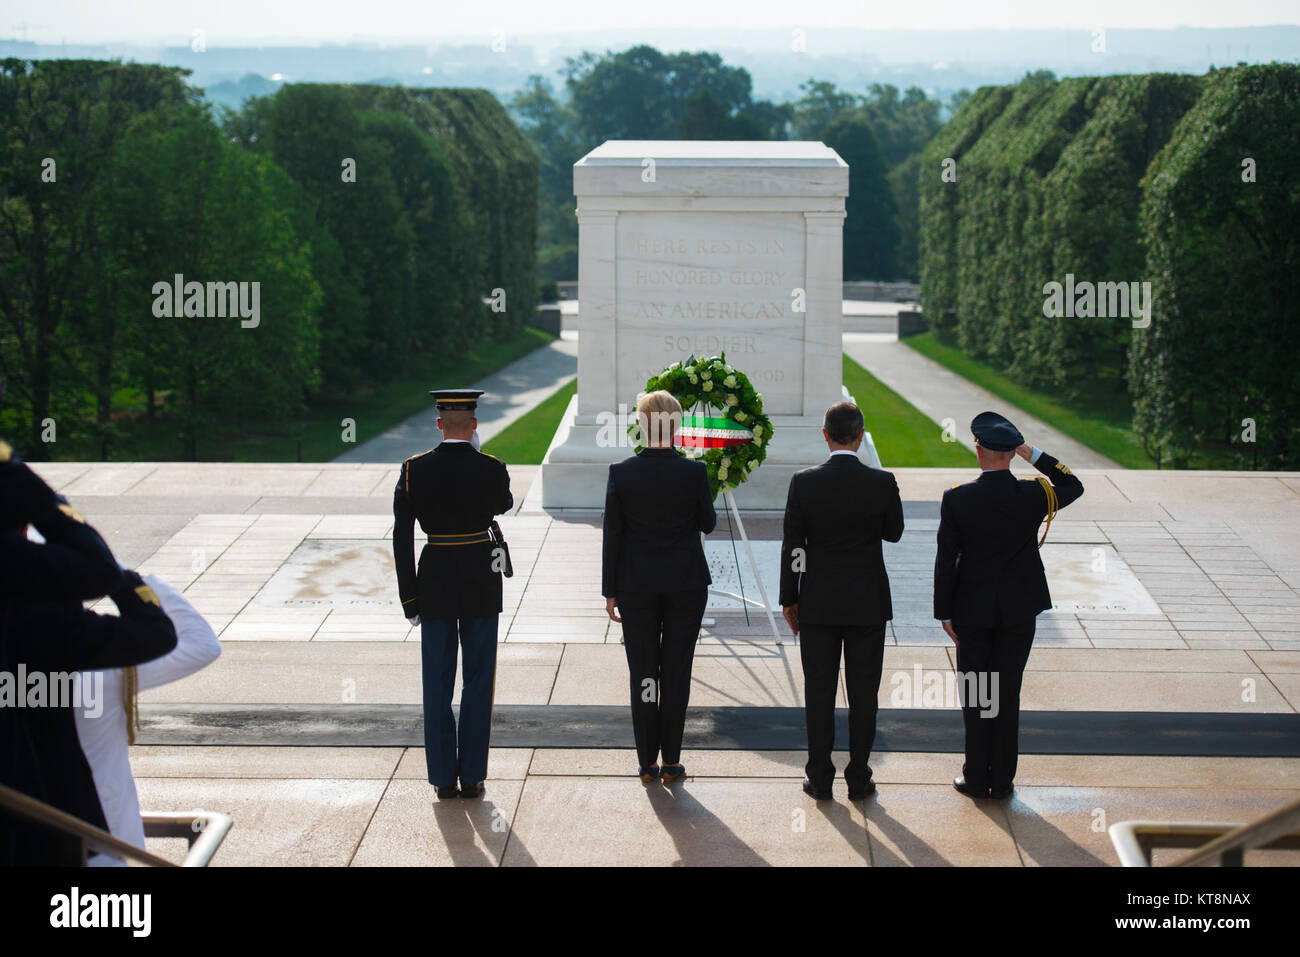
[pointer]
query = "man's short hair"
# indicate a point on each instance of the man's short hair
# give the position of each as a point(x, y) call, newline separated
point(843, 423)
point(659, 415)
point(456, 420)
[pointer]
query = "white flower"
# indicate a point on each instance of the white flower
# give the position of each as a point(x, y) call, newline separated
point(729, 382)
point(674, 367)
point(695, 380)
point(759, 396)
point(741, 417)
point(732, 400)
point(728, 368)
point(725, 462)
point(758, 429)
point(722, 474)
point(706, 373)
point(708, 386)
point(758, 440)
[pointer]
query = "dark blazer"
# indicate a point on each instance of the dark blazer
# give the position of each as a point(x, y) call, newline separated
point(987, 571)
point(656, 504)
point(838, 513)
point(453, 489)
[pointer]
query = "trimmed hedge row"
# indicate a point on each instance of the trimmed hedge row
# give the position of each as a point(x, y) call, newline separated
point(1055, 178)
point(498, 170)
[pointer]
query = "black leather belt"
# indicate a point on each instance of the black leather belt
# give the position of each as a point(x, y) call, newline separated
point(469, 538)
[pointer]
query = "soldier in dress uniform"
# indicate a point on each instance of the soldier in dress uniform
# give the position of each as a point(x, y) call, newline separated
point(989, 584)
point(454, 491)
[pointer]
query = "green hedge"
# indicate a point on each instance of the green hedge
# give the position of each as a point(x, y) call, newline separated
point(498, 170)
point(1128, 179)
point(1222, 257)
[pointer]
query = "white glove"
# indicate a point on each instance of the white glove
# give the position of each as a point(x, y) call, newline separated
point(415, 620)
point(473, 439)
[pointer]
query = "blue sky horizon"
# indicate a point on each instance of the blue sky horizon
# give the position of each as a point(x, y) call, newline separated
point(236, 22)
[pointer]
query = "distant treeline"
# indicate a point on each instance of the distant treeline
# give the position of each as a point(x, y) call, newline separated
point(374, 220)
point(1186, 183)
point(643, 94)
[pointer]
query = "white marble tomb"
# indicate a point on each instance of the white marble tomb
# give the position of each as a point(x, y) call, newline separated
point(696, 248)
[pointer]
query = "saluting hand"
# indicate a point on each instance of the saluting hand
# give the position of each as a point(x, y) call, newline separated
point(1025, 451)
point(610, 605)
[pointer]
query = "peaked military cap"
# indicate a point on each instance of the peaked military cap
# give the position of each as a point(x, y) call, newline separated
point(449, 400)
point(996, 432)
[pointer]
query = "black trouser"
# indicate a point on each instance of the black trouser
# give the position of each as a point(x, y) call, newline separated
point(990, 665)
point(659, 634)
point(864, 654)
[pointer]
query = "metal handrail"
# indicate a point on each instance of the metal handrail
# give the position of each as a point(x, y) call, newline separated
point(205, 830)
point(1135, 841)
point(1263, 832)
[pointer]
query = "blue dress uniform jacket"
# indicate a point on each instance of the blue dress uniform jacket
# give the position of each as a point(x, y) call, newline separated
point(987, 570)
point(453, 491)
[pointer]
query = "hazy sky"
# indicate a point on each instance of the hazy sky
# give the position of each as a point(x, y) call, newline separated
point(238, 21)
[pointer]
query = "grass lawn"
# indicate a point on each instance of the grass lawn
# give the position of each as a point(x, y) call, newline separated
point(319, 430)
point(525, 441)
point(1097, 416)
point(904, 437)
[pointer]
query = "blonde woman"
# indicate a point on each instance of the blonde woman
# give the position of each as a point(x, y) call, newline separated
point(655, 580)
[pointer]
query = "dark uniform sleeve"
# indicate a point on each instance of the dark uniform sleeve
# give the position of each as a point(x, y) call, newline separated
point(892, 531)
point(1066, 483)
point(705, 513)
point(505, 497)
point(794, 535)
point(611, 540)
point(945, 561)
point(408, 589)
point(77, 567)
point(63, 636)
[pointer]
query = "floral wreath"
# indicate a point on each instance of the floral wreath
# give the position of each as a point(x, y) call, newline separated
point(723, 424)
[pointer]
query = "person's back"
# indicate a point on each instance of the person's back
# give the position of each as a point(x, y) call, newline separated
point(657, 546)
point(835, 593)
point(846, 509)
point(655, 579)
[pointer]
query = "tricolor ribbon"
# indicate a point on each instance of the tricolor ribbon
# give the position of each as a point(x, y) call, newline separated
point(712, 432)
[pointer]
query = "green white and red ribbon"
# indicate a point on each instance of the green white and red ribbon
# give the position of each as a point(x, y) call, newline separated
point(712, 432)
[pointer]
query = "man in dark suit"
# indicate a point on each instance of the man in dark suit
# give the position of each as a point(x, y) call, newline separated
point(989, 584)
point(454, 491)
point(835, 594)
point(655, 579)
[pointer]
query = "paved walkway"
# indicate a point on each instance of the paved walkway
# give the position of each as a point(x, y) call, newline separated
point(291, 563)
point(511, 393)
point(941, 394)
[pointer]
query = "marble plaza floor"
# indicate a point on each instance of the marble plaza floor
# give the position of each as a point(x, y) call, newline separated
point(1177, 598)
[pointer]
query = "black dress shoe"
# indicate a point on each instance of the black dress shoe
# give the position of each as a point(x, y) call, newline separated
point(473, 790)
point(814, 792)
point(862, 790)
point(1001, 794)
point(450, 791)
point(968, 789)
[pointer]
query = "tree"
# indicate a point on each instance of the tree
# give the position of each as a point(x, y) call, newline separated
point(870, 230)
point(59, 121)
point(189, 201)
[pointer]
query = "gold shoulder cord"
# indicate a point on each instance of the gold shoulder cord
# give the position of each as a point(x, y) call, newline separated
point(130, 682)
point(1051, 505)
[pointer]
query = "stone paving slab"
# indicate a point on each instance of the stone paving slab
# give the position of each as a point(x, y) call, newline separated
point(553, 807)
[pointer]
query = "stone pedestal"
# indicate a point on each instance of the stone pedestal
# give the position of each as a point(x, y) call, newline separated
point(698, 248)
